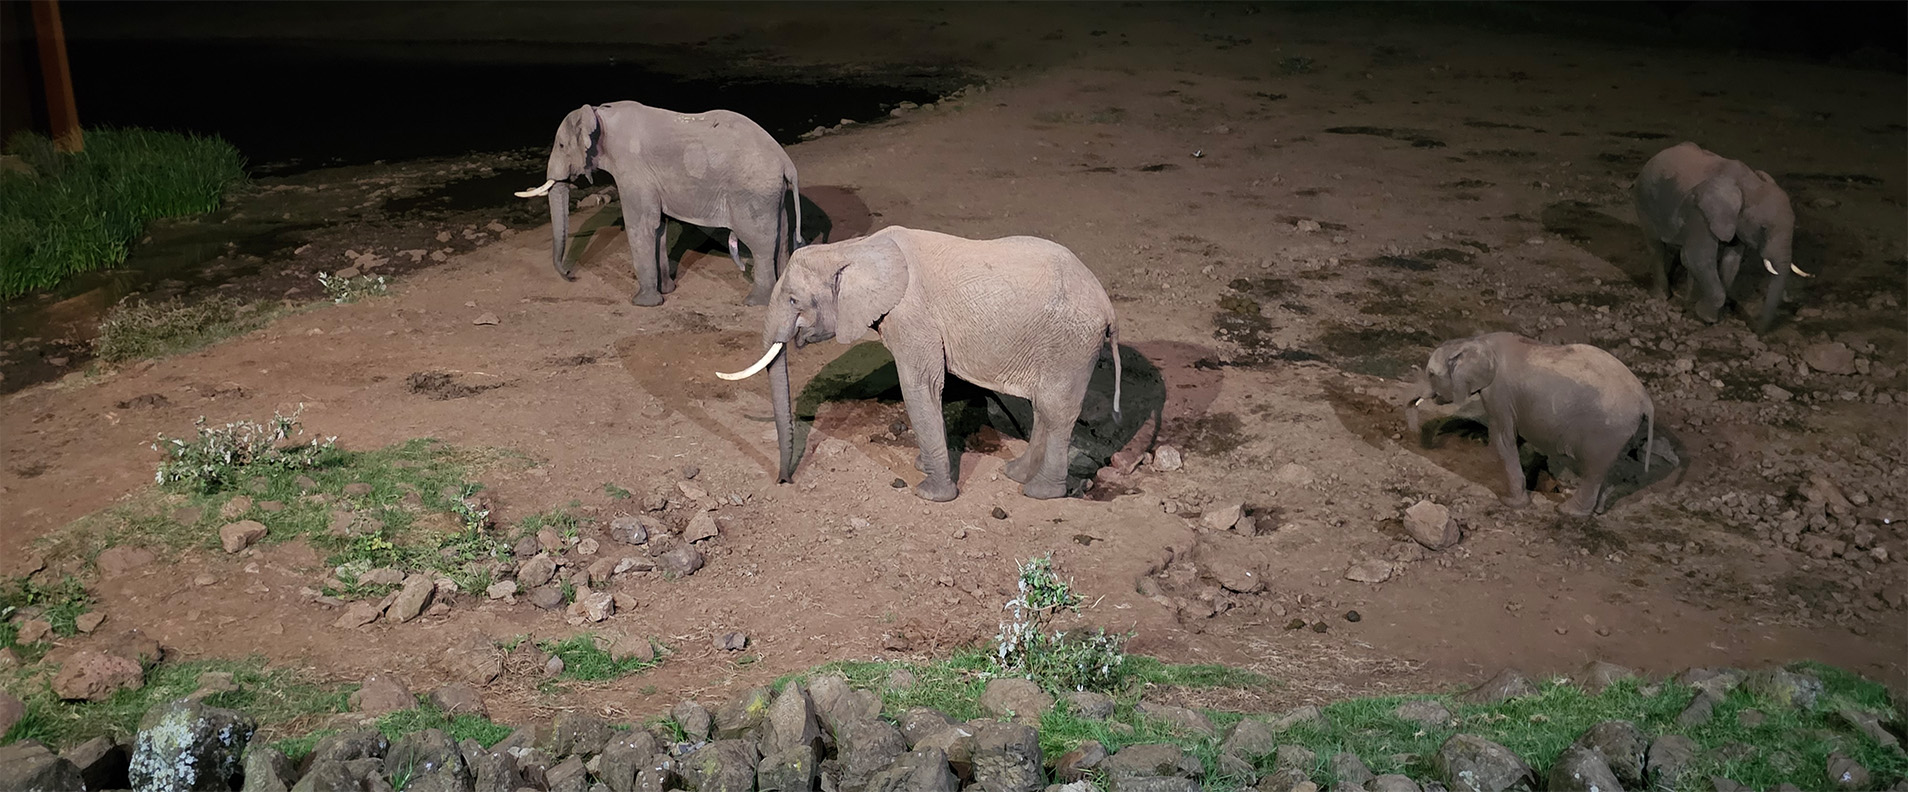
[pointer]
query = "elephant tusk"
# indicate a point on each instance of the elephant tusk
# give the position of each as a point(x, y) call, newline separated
point(543, 189)
point(1770, 266)
point(1798, 271)
point(757, 368)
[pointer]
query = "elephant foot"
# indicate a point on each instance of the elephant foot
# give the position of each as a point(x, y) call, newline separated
point(1572, 508)
point(1518, 501)
point(756, 299)
point(666, 287)
point(1020, 468)
point(1044, 490)
point(647, 300)
point(938, 491)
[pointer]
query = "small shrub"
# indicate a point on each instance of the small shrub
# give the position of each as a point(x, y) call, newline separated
point(344, 290)
point(140, 329)
point(219, 455)
point(1081, 659)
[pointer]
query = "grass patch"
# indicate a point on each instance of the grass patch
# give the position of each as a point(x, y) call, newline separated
point(59, 604)
point(459, 727)
point(81, 212)
point(282, 701)
point(139, 329)
point(616, 492)
point(585, 659)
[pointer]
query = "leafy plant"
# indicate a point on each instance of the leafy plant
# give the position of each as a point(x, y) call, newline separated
point(219, 455)
point(1080, 659)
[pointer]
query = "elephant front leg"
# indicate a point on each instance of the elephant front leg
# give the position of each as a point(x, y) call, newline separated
point(1665, 259)
point(921, 392)
point(642, 223)
point(1709, 293)
point(1505, 444)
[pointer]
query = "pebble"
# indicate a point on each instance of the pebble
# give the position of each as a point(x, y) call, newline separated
point(1000, 513)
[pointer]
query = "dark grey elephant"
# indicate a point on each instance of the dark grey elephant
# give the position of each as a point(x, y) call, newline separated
point(716, 169)
point(1709, 213)
point(1576, 401)
point(1018, 315)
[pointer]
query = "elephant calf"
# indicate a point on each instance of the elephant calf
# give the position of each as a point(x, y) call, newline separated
point(1574, 401)
point(1019, 315)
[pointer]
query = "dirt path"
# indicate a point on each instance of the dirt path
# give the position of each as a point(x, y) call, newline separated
point(1287, 227)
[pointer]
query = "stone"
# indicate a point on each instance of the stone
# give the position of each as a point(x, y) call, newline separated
point(579, 734)
point(1090, 705)
point(1223, 517)
point(694, 721)
point(1624, 749)
point(596, 605)
point(957, 742)
point(702, 526)
point(1598, 676)
point(89, 621)
point(546, 597)
point(1392, 782)
point(602, 570)
point(1847, 774)
point(792, 770)
point(1430, 524)
point(136, 646)
point(1154, 760)
point(682, 561)
point(1701, 708)
point(236, 507)
point(1296, 757)
point(627, 755)
point(1424, 712)
point(916, 723)
point(1582, 769)
point(267, 770)
point(632, 647)
point(187, 746)
point(1670, 755)
point(629, 530)
point(1294, 717)
point(430, 760)
point(1830, 358)
point(382, 576)
point(1507, 685)
point(1167, 459)
point(743, 714)
point(1787, 688)
point(1080, 762)
point(103, 763)
point(32, 631)
point(212, 683)
point(380, 694)
point(1867, 723)
point(925, 770)
point(364, 743)
point(485, 318)
point(731, 641)
point(12, 709)
point(863, 747)
point(1293, 474)
point(411, 599)
point(1181, 718)
point(1776, 393)
point(475, 660)
point(458, 698)
point(503, 589)
point(1250, 738)
point(837, 703)
point(1348, 769)
point(1468, 763)
point(535, 571)
point(1017, 699)
point(1006, 757)
point(120, 559)
point(359, 614)
point(1233, 575)
point(240, 535)
point(96, 676)
point(1287, 780)
point(1370, 570)
point(572, 775)
point(29, 765)
point(791, 722)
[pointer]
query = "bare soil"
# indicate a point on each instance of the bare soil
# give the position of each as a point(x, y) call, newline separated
point(1290, 209)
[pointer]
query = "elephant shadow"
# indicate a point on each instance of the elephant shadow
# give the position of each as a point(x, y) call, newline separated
point(1667, 455)
point(1617, 242)
point(976, 417)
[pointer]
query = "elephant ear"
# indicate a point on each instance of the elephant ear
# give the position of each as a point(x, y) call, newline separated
point(1720, 200)
point(1472, 368)
point(869, 286)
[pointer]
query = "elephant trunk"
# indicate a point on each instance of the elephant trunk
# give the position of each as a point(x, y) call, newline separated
point(560, 228)
point(1415, 424)
point(784, 404)
point(1772, 300)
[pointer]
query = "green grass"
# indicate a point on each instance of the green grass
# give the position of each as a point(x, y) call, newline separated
point(585, 660)
point(616, 492)
point(138, 329)
point(80, 212)
point(280, 699)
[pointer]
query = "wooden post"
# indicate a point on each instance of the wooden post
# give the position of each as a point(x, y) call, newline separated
point(62, 114)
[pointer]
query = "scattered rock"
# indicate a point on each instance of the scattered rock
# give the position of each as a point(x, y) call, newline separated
point(136, 646)
point(1018, 699)
point(1582, 769)
point(1830, 358)
point(1424, 712)
point(1167, 459)
point(1393, 783)
point(382, 576)
point(96, 676)
point(743, 713)
point(632, 647)
point(1295, 757)
point(12, 709)
point(1507, 685)
point(458, 698)
point(1370, 570)
point(596, 605)
point(430, 761)
point(1090, 705)
point(32, 631)
point(1006, 757)
point(702, 526)
point(186, 746)
point(1699, 711)
point(504, 589)
point(380, 694)
point(1669, 756)
point(1775, 393)
point(546, 597)
point(1293, 474)
point(1250, 739)
point(999, 513)
point(1468, 763)
point(692, 719)
point(1786, 687)
point(1235, 576)
point(1847, 774)
point(236, 507)
point(120, 559)
point(1599, 676)
point(1152, 760)
point(1348, 769)
point(1222, 518)
point(1181, 718)
point(731, 641)
point(485, 318)
point(29, 765)
point(1624, 749)
point(629, 530)
point(88, 621)
point(536, 571)
point(1430, 524)
point(681, 562)
point(411, 600)
point(359, 614)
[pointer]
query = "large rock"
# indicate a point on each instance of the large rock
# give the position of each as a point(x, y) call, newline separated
point(1670, 755)
point(1180, 718)
point(792, 770)
point(864, 747)
point(331, 775)
point(1623, 747)
point(1581, 769)
point(380, 694)
point(535, 571)
point(1348, 769)
point(579, 734)
point(186, 746)
point(626, 756)
point(411, 599)
point(1507, 685)
point(268, 770)
point(29, 766)
point(742, 714)
point(1424, 712)
point(136, 646)
point(240, 535)
point(683, 561)
point(458, 698)
point(95, 676)
point(1006, 757)
point(496, 771)
point(957, 743)
point(1830, 358)
point(365, 743)
point(918, 722)
point(1468, 763)
point(1848, 775)
point(721, 766)
point(474, 659)
point(1297, 757)
point(430, 760)
point(1250, 738)
point(571, 775)
point(1152, 760)
point(1397, 783)
point(924, 770)
point(1430, 524)
point(1288, 780)
point(1090, 705)
point(102, 761)
point(1085, 759)
point(1018, 699)
point(1785, 687)
point(694, 721)
point(1598, 676)
point(12, 709)
point(837, 703)
point(791, 721)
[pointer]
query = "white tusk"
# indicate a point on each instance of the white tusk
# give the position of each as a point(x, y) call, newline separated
point(1798, 271)
point(757, 368)
point(533, 192)
point(1770, 266)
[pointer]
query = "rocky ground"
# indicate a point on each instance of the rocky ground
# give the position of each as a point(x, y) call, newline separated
point(1289, 209)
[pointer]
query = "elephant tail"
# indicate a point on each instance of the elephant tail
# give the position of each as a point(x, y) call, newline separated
point(1649, 433)
point(795, 203)
point(1113, 340)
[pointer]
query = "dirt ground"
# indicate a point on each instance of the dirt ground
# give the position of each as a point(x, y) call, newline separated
point(1289, 209)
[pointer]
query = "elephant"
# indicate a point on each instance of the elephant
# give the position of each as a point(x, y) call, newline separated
point(1017, 315)
point(1573, 401)
point(1716, 211)
point(716, 169)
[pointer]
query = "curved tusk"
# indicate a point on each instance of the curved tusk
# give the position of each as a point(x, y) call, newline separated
point(1770, 266)
point(533, 192)
point(1798, 271)
point(757, 368)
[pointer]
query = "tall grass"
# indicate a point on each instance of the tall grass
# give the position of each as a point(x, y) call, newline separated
point(80, 212)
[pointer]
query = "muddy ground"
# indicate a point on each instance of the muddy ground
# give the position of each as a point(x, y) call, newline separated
point(1289, 209)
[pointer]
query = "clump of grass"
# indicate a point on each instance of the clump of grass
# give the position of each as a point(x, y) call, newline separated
point(80, 212)
point(586, 660)
point(616, 492)
point(139, 329)
point(221, 455)
point(1081, 659)
point(459, 727)
point(282, 700)
point(345, 290)
point(60, 604)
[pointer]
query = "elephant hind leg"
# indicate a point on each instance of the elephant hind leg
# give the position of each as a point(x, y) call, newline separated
point(1591, 493)
point(1051, 439)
